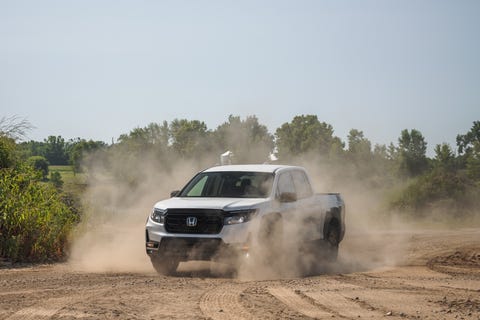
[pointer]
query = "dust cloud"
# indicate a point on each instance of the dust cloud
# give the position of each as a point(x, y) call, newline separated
point(373, 239)
point(111, 236)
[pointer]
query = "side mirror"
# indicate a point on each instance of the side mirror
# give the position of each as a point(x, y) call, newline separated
point(288, 197)
point(174, 193)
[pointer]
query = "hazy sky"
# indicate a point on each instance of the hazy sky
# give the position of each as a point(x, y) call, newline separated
point(97, 69)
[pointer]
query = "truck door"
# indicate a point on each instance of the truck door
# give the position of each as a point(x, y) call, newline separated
point(286, 196)
point(285, 186)
point(308, 211)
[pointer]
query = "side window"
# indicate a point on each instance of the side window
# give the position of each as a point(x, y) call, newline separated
point(285, 184)
point(197, 189)
point(304, 190)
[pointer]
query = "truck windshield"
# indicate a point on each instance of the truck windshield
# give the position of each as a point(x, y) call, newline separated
point(229, 185)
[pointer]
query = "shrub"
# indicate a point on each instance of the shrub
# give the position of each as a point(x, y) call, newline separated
point(7, 152)
point(56, 179)
point(39, 163)
point(34, 222)
point(449, 187)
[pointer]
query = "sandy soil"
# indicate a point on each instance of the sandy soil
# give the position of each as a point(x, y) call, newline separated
point(392, 275)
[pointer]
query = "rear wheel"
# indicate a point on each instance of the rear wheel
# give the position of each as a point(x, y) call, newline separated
point(324, 252)
point(331, 244)
point(165, 266)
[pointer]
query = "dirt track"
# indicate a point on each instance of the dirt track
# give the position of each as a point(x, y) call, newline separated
point(394, 275)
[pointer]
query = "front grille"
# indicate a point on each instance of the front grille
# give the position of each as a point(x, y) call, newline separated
point(207, 221)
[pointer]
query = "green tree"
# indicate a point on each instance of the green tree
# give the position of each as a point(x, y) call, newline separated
point(7, 152)
point(31, 148)
point(469, 150)
point(337, 149)
point(447, 185)
point(359, 147)
point(473, 163)
point(359, 156)
point(80, 151)
point(149, 144)
point(40, 164)
point(304, 134)
point(383, 165)
point(11, 129)
point(412, 150)
point(466, 142)
point(381, 151)
point(444, 157)
point(56, 150)
point(152, 135)
point(249, 140)
point(188, 137)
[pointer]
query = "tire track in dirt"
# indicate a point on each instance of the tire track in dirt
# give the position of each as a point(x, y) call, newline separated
point(299, 304)
point(344, 300)
point(46, 310)
point(405, 291)
point(415, 278)
point(223, 302)
point(53, 306)
point(341, 305)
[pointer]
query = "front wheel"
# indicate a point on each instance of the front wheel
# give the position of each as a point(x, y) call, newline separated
point(165, 265)
point(271, 239)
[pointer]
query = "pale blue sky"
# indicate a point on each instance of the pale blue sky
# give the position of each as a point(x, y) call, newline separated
point(97, 69)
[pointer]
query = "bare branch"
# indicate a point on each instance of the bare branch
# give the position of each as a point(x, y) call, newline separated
point(15, 127)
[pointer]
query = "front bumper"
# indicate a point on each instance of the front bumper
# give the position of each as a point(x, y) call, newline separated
point(185, 249)
point(231, 241)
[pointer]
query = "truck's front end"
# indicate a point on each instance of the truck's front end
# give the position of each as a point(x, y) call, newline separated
point(211, 217)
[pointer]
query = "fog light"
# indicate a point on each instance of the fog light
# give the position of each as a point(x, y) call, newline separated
point(152, 245)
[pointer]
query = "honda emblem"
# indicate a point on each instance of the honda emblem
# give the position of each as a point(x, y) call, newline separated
point(191, 222)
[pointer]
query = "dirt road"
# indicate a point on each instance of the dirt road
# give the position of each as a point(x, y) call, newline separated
point(391, 275)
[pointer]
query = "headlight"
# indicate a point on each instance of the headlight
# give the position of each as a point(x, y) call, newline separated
point(241, 216)
point(158, 215)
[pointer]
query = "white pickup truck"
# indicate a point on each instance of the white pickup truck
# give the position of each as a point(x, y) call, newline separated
point(244, 212)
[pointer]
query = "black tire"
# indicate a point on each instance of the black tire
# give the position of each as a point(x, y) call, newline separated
point(331, 244)
point(323, 253)
point(165, 266)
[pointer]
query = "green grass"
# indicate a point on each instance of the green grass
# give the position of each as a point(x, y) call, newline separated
point(66, 171)
point(72, 182)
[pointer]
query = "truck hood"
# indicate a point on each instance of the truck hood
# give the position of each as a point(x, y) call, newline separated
point(227, 204)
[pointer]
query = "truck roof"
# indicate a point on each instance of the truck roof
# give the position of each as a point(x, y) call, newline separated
point(248, 168)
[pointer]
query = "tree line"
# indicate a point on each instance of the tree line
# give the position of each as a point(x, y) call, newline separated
point(249, 140)
point(411, 181)
point(304, 137)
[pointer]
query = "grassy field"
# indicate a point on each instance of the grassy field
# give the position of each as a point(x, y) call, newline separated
point(72, 182)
